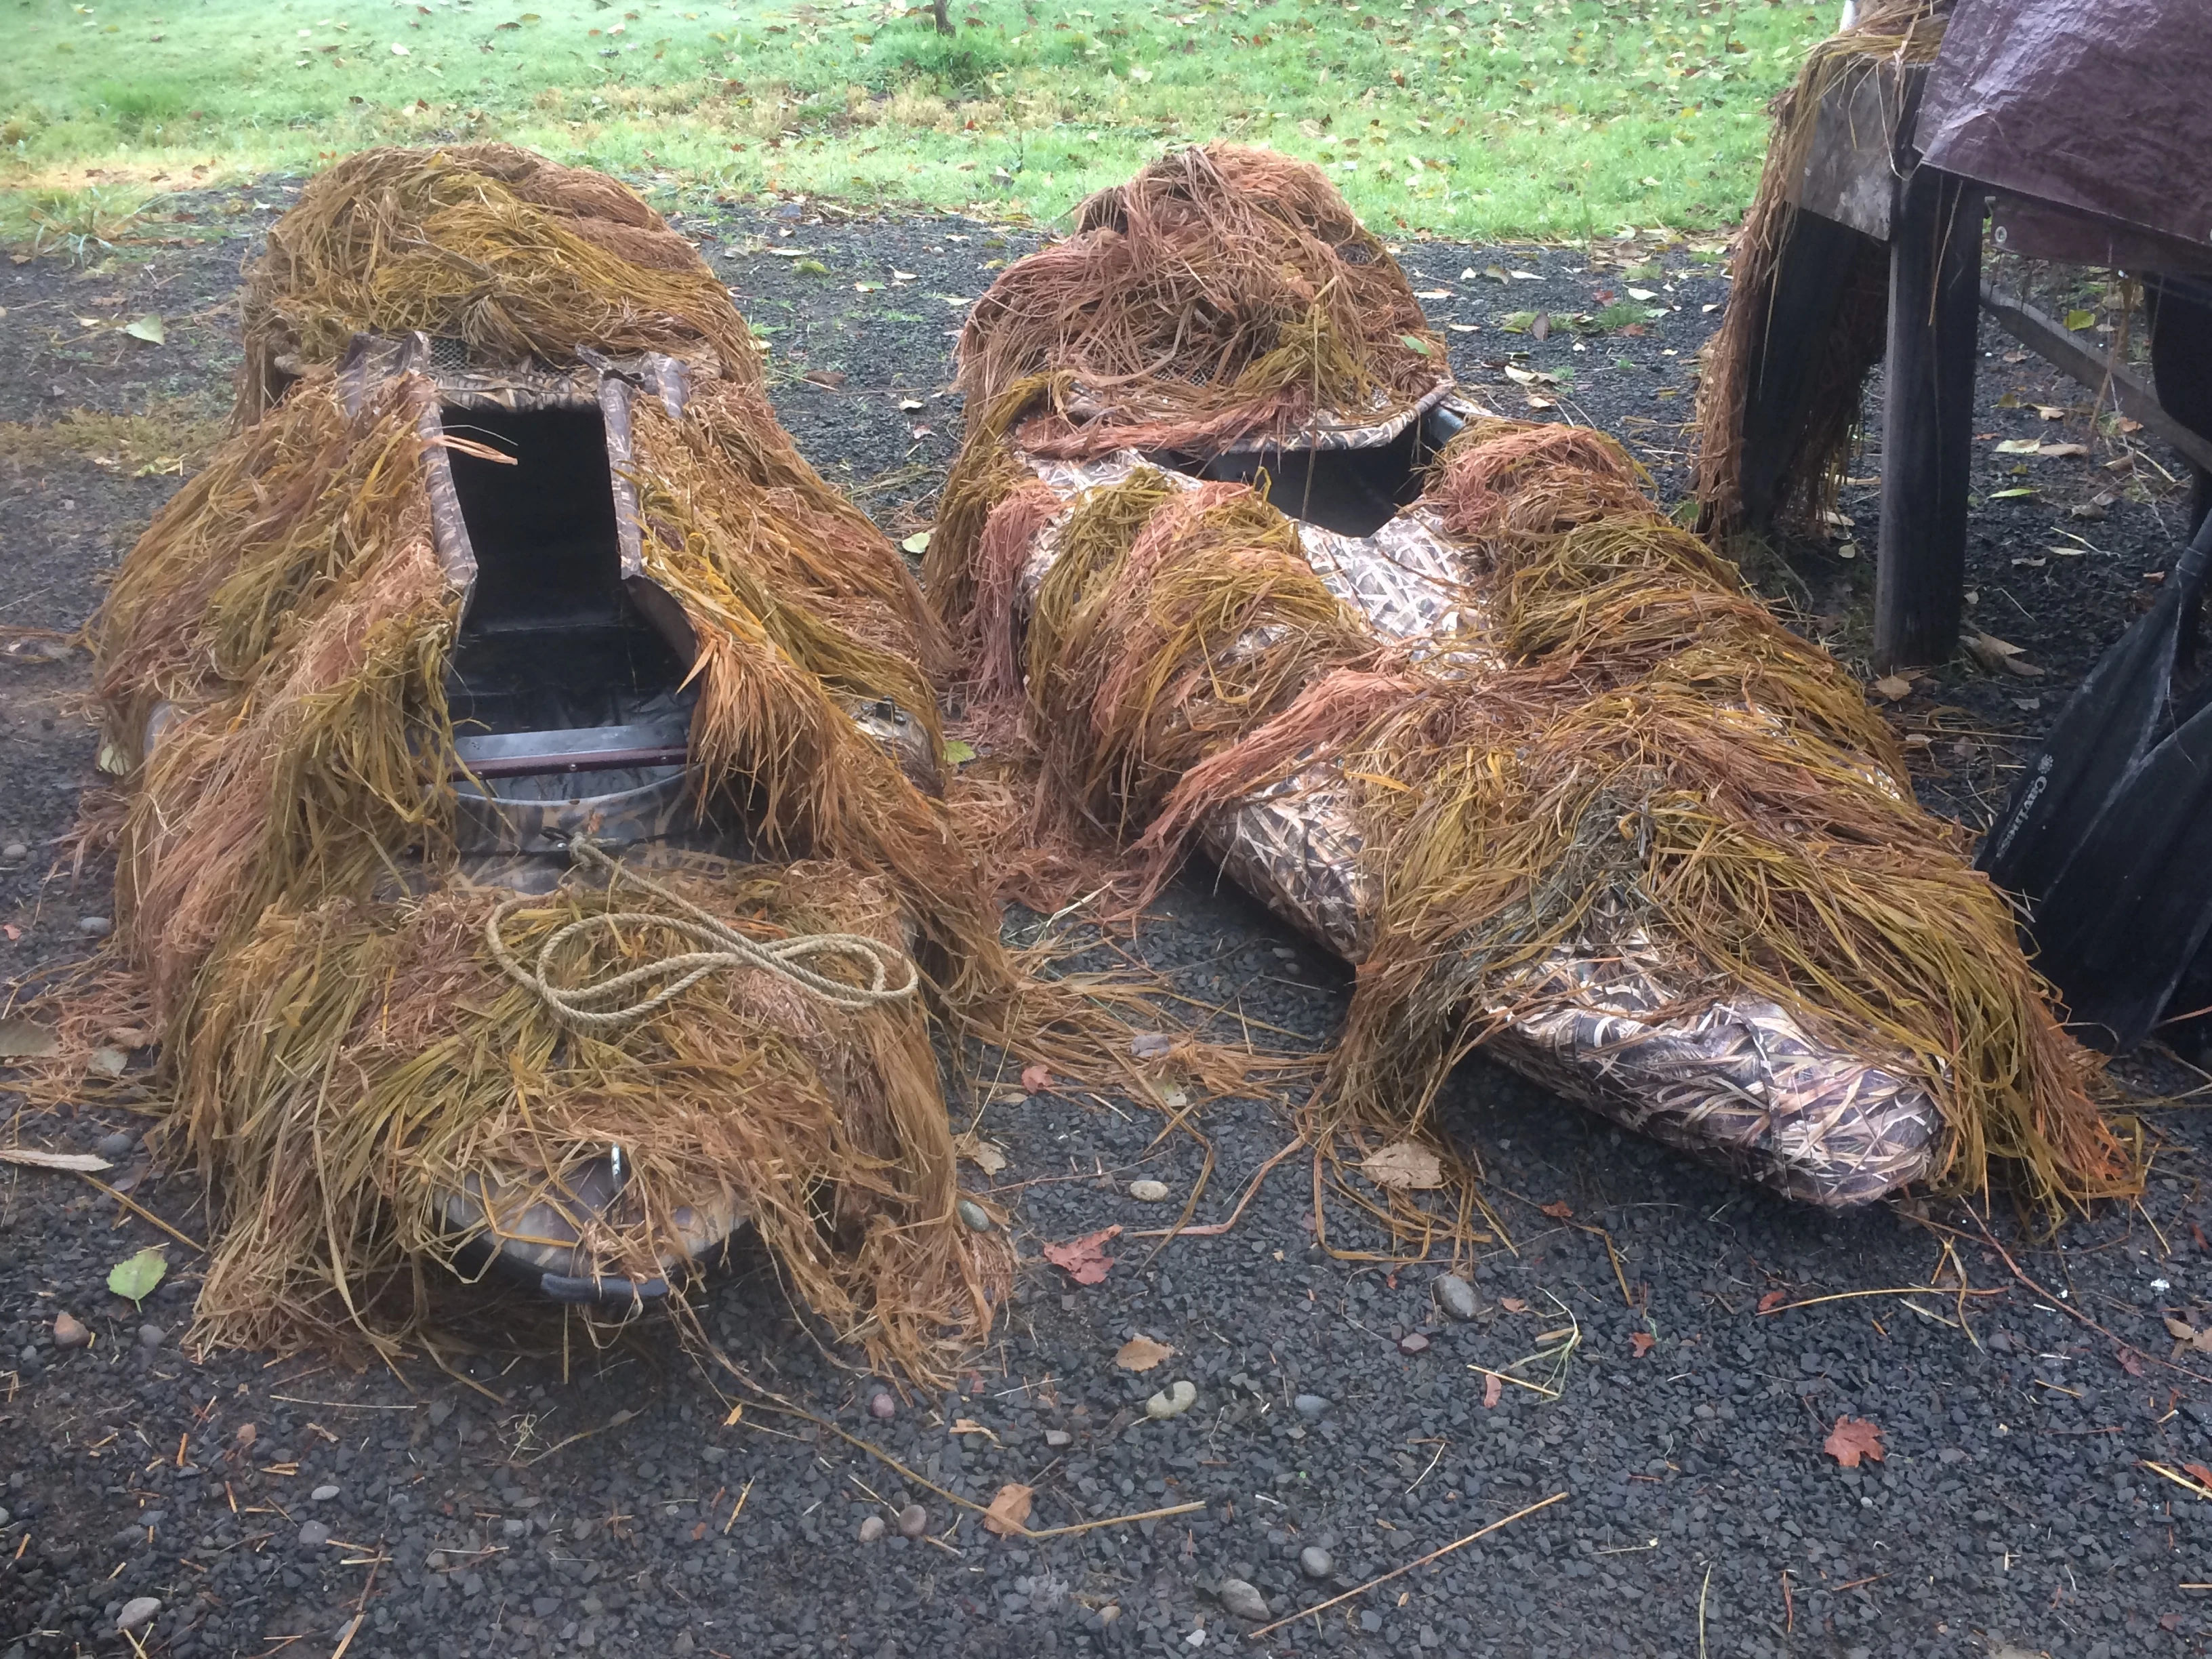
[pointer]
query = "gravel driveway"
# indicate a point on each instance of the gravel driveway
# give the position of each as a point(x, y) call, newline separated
point(565, 1490)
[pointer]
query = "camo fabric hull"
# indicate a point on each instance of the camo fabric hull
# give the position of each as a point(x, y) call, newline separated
point(1737, 1081)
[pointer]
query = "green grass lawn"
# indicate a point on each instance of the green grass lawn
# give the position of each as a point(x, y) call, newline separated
point(1494, 118)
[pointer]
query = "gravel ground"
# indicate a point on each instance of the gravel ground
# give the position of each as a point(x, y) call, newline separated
point(611, 1499)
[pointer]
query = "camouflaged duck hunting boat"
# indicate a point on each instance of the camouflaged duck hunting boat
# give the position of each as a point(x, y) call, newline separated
point(1449, 693)
point(532, 852)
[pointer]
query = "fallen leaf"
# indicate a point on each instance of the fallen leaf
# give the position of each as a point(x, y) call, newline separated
point(1415, 343)
point(1085, 1259)
point(1773, 1300)
point(1150, 1045)
point(958, 753)
point(969, 1426)
point(147, 328)
point(1463, 328)
point(2019, 493)
point(1526, 277)
point(917, 543)
point(1892, 688)
point(246, 1435)
point(1997, 657)
point(2062, 451)
point(1141, 1353)
point(1512, 1304)
point(1643, 1342)
point(1009, 1513)
point(2198, 1473)
point(2051, 411)
point(1641, 293)
point(2019, 446)
point(1404, 1167)
point(2130, 1361)
point(135, 1277)
point(1852, 1438)
point(23, 1039)
point(1036, 1078)
point(1493, 1390)
point(38, 1160)
point(914, 402)
point(2078, 320)
point(980, 1152)
point(2181, 1329)
point(832, 378)
point(1541, 328)
point(1558, 1209)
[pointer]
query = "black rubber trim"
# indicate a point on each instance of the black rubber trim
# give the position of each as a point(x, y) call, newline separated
point(564, 1287)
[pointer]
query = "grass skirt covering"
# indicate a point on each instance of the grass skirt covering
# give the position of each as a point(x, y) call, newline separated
point(297, 898)
point(1898, 33)
point(1533, 759)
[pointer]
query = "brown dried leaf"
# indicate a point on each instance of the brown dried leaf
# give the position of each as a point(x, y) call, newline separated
point(23, 1039)
point(1009, 1514)
point(1852, 1438)
point(41, 1160)
point(2180, 1329)
point(1404, 1167)
point(1892, 688)
point(1773, 1300)
point(1643, 1342)
point(1512, 1304)
point(1085, 1259)
point(1558, 1209)
point(980, 1152)
point(1035, 1079)
point(1141, 1353)
point(1493, 1390)
point(1997, 657)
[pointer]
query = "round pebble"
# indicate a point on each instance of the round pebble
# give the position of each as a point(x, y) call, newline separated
point(913, 1520)
point(1413, 1342)
point(117, 1145)
point(871, 1530)
point(1243, 1600)
point(1149, 1192)
point(1311, 1406)
point(1315, 1562)
point(883, 1407)
point(1455, 1296)
point(94, 927)
point(137, 1611)
point(69, 1331)
point(313, 1534)
point(324, 1494)
point(1172, 1402)
point(14, 850)
point(150, 1336)
point(977, 1218)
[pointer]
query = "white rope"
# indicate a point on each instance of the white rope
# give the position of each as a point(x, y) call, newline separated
point(574, 1006)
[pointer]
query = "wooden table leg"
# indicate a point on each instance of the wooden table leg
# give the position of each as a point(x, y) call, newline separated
point(1816, 261)
point(1928, 416)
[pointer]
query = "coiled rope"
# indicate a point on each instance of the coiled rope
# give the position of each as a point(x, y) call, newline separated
point(577, 1006)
